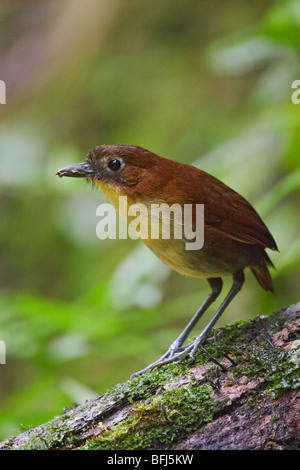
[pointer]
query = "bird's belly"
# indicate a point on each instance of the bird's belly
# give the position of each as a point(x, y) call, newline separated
point(214, 259)
point(219, 256)
point(189, 262)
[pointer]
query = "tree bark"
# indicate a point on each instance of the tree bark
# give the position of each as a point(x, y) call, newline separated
point(242, 392)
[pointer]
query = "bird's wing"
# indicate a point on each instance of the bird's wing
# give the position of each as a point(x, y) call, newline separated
point(226, 210)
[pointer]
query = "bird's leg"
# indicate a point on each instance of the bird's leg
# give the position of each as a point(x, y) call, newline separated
point(238, 281)
point(216, 287)
point(176, 349)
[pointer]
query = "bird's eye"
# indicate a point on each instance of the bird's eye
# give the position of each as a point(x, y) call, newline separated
point(114, 164)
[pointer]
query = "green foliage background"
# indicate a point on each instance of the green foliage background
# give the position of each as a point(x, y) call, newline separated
point(207, 83)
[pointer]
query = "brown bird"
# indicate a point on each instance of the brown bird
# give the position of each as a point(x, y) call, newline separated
point(235, 237)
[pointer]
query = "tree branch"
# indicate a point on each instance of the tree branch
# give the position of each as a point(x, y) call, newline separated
point(242, 394)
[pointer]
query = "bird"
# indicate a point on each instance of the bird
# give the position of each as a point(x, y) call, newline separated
point(235, 236)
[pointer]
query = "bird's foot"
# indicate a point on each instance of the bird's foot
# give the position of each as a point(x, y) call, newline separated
point(175, 352)
point(167, 358)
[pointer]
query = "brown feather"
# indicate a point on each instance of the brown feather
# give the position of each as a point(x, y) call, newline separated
point(235, 235)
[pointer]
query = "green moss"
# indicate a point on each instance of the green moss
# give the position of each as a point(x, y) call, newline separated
point(156, 423)
point(168, 403)
point(143, 386)
point(51, 435)
point(256, 355)
point(160, 421)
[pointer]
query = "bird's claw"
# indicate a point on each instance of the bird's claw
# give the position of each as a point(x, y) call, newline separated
point(173, 354)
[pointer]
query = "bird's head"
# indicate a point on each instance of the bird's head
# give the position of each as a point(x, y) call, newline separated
point(122, 170)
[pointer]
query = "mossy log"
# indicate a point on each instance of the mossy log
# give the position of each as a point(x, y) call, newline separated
point(242, 392)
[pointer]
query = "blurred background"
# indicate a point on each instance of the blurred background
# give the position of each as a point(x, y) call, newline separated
point(207, 83)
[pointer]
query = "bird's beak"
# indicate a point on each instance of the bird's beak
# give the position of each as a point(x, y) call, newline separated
point(79, 170)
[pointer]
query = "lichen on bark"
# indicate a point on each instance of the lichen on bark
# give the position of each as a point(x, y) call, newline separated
point(243, 394)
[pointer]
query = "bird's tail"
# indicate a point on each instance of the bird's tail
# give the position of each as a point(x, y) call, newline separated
point(262, 274)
